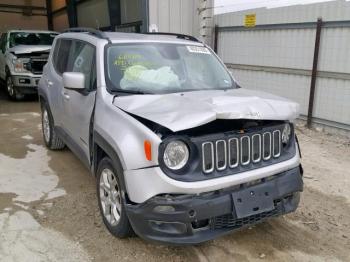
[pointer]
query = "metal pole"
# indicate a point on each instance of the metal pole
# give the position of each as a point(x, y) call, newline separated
point(114, 8)
point(72, 13)
point(216, 34)
point(49, 15)
point(314, 72)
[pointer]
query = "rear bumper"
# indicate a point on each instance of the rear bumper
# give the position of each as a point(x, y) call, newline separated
point(191, 219)
point(26, 84)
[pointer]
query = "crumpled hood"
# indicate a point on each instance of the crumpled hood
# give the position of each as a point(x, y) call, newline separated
point(26, 49)
point(182, 111)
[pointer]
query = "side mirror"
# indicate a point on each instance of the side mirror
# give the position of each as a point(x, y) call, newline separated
point(74, 80)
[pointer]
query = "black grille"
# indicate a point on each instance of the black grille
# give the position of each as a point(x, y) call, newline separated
point(242, 150)
point(229, 221)
point(37, 66)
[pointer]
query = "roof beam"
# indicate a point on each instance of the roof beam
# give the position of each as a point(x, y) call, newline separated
point(32, 7)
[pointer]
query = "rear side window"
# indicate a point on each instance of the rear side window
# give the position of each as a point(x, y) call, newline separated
point(61, 55)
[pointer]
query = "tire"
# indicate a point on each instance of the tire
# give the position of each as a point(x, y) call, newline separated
point(52, 141)
point(12, 93)
point(111, 200)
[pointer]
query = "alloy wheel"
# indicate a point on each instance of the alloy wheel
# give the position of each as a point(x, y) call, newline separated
point(110, 197)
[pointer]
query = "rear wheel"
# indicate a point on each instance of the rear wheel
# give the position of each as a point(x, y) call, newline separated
point(11, 90)
point(52, 141)
point(111, 199)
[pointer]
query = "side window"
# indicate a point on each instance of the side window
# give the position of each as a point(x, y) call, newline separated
point(61, 55)
point(82, 60)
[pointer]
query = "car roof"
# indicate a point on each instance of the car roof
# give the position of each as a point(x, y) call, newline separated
point(119, 37)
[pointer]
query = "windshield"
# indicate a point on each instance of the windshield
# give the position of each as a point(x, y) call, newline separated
point(26, 38)
point(164, 68)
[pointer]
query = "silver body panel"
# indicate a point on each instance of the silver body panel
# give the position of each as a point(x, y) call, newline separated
point(126, 135)
point(192, 109)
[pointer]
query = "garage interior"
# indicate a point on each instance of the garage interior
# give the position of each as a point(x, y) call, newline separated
point(58, 15)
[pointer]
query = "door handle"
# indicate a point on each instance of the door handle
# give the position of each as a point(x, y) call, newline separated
point(66, 96)
point(49, 83)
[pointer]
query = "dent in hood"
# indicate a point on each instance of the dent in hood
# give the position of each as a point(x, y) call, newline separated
point(182, 111)
point(26, 49)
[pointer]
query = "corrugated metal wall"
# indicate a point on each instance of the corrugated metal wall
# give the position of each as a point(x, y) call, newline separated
point(191, 17)
point(262, 59)
point(177, 16)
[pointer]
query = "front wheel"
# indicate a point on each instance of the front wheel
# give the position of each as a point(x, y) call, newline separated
point(11, 90)
point(111, 199)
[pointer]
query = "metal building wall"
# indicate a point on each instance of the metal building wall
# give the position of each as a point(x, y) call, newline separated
point(280, 60)
point(177, 16)
point(130, 11)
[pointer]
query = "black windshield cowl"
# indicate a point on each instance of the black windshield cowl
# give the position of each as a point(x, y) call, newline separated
point(121, 92)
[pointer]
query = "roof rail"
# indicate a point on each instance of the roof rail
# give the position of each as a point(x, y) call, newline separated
point(181, 36)
point(91, 31)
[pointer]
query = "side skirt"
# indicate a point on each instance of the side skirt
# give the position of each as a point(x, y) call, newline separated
point(73, 146)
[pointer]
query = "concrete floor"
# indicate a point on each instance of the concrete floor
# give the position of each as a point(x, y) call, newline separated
point(48, 208)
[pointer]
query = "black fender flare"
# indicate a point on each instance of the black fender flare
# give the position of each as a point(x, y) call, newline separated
point(99, 141)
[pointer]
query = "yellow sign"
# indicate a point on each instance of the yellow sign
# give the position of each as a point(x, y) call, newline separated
point(250, 20)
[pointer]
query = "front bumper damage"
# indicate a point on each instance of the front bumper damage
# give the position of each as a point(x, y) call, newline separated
point(191, 219)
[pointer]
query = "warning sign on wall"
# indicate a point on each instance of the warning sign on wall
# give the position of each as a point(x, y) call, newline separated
point(250, 20)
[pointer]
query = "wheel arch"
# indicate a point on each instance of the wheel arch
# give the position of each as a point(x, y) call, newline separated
point(101, 148)
point(7, 71)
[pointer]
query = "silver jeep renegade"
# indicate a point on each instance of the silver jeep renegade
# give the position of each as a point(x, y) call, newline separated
point(181, 153)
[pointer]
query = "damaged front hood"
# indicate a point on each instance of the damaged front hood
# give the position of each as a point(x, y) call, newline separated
point(182, 111)
point(26, 49)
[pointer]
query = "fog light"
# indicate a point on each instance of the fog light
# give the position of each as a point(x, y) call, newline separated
point(23, 81)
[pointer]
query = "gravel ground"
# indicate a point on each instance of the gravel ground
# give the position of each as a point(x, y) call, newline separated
point(48, 207)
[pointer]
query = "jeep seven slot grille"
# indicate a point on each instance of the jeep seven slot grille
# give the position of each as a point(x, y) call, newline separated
point(242, 150)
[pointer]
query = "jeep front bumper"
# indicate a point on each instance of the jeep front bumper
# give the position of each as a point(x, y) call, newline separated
point(190, 219)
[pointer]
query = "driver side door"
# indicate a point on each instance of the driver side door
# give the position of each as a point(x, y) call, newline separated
point(78, 105)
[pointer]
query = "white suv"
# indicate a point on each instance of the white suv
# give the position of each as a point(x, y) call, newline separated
point(23, 54)
point(180, 152)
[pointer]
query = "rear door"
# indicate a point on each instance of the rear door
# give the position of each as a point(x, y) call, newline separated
point(52, 78)
point(78, 105)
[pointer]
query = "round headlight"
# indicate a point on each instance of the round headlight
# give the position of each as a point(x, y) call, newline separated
point(176, 155)
point(286, 134)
